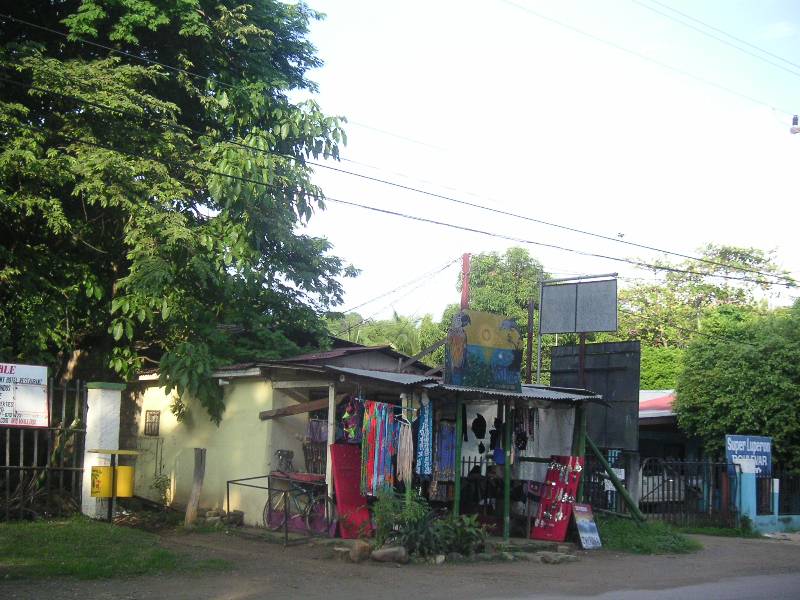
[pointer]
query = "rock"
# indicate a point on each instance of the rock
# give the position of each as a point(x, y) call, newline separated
point(360, 551)
point(484, 557)
point(455, 557)
point(438, 559)
point(505, 556)
point(527, 556)
point(564, 549)
point(341, 553)
point(213, 521)
point(396, 554)
point(235, 517)
point(556, 558)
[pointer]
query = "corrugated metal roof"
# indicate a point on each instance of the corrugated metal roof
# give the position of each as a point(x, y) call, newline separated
point(335, 353)
point(386, 376)
point(529, 392)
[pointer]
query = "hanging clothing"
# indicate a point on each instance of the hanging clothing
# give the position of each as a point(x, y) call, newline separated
point(317, 431)
point(445, 459)
point(351, 419)
point(405, 452)
point(377, 447)
point(424, 466)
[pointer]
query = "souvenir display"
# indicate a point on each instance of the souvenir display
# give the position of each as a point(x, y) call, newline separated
point(557, 498)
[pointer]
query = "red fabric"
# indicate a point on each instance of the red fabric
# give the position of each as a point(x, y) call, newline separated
point(351, 506)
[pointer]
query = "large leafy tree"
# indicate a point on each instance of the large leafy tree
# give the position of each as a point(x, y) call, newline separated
point(152, 215)
point(742, 376)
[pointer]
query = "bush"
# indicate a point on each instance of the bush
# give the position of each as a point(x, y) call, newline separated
point(412, 524)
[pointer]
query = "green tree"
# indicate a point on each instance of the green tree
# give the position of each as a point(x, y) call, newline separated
point(742, 376)
point(124, 240)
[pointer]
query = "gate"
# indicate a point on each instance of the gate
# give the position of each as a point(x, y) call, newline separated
point(690, 492)
point(41, 469)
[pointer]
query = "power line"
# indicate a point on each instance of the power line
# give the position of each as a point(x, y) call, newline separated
point(644, 57)
point(185, 128)
point(391, 183)
point(715, 37)
point(406, 284)
point(723, 32)
point(205, 170)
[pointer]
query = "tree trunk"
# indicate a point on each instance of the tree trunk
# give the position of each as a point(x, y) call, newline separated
point(197, 486)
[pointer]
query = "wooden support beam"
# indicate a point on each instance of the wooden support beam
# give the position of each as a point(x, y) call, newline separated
point(407, 363)
point(295, 409)
point(633, 507)
point(288, 385)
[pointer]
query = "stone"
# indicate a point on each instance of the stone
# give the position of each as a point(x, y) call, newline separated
point(341, 553)
point(505, 556)
point(527, 556)
point(396, 554)
point(438, 559)
point(455, 557)
point(360, 551)
point(565, 549)
point(235, 517)
point(556, 558)
point(484, 557)
point(212, 521)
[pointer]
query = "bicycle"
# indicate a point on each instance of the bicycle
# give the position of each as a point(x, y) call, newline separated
point(306, 498)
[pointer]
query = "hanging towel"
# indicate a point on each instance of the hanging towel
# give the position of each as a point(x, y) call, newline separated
point(405, 453)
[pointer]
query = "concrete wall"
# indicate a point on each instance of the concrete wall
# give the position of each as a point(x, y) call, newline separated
point(237, 448)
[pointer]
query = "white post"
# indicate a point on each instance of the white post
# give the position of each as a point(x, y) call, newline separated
point(331, 437)
point(102, 432)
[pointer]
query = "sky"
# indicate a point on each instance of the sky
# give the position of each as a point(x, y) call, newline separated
point(638, 127)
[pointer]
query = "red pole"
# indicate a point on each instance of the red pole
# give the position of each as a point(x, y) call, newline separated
point(465, 269)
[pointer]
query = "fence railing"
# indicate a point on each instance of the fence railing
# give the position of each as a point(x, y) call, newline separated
point(764, 489)
point(788, 494)
point(690, 492)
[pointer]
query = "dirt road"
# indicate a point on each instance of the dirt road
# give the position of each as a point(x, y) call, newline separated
point(725, 568)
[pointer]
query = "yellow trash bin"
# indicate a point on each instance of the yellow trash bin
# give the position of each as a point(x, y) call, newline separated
point(101, 482)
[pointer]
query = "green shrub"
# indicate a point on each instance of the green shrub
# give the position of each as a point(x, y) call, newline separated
point(462, 534)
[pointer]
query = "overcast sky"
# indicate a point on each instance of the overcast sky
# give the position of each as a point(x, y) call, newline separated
point(487, 102)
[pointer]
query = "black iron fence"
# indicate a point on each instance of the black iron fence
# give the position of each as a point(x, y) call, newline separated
point(788, 493)
point(41, 469)
point(690, 492)
point(764, 491)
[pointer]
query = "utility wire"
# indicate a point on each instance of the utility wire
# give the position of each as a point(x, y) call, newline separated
point(723, 32)
point(715, 37)
point(208, 171)
point(184, 128)
point(643, 56)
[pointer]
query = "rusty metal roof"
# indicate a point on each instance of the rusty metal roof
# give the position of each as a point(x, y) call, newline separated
point(385, 376)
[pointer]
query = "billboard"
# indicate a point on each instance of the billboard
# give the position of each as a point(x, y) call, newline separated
point(750, 447)
point(23, 396)
point(579, 307)
point(483, 350)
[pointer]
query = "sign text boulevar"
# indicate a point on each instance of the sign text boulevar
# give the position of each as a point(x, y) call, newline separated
point(23, 396)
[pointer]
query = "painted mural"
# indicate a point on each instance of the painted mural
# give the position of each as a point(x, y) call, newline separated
point(483, 350)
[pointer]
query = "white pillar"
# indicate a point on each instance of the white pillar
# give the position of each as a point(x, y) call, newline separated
point(331, 437)
point(102, 432)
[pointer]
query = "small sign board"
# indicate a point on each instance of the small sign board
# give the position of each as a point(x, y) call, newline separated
point(754, 447)
point(587, 528)
point(23, 396)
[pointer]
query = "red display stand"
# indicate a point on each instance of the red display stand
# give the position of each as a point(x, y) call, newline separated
point(557, 497)
point(351, 506)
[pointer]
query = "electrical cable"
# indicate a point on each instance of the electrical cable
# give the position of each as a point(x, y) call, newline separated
point(185, 128)
point(715, 37)
point(320, 198)
point(644, 57)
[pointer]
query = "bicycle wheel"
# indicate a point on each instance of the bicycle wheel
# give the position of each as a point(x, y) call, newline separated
point(321, 516)
point(274, 513)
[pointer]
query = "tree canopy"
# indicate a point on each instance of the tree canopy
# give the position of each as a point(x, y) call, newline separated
point(153, 215)
point(742, 376)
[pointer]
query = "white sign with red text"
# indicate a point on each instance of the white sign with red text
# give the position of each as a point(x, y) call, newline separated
point(23, 396)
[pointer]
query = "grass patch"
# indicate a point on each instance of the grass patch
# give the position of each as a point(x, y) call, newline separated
point(86, 549)
point(740, 532)
point(625, 535)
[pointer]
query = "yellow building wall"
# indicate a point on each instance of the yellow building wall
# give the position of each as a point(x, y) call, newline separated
point(239, 447)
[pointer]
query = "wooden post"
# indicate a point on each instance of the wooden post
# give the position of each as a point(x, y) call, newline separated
point(507, 473)
point(465, 270)
point(331, 437)
point(529, 365)
point(197, 486)
point(459, 430)
point(632, 506)
point(579, 439)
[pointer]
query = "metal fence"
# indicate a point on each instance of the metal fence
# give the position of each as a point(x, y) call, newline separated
point(764, 490)
point(41, 469)
point(690, 492)
point(788, 494)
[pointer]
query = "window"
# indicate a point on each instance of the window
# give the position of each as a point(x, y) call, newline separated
point(151, 421)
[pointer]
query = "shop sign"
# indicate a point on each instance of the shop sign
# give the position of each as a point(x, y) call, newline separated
point(483, 350)
point(23, 396)
point(587, 528)
point(754, 447)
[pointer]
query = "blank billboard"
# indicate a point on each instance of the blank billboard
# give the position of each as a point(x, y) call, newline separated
point(579, 307)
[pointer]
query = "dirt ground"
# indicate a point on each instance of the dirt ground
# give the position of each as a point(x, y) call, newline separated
point(265, 570)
